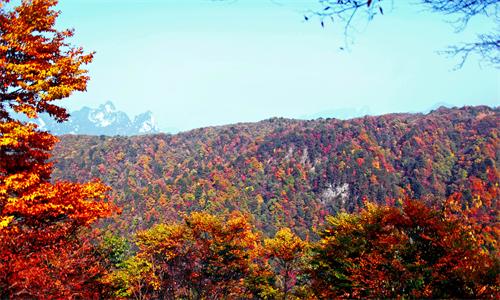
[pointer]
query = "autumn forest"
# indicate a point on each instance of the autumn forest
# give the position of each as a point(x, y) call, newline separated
point(401, 205)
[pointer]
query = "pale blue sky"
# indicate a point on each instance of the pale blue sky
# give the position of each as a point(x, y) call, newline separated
point(198, 63)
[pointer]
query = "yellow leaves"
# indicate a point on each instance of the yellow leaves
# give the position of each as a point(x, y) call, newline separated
point(255, 164)
point(11, 131)
point(28, 110)
point(120, 156)
point(260, 199)
point(162, 238)
point(17, 135)
point(189, 197)
point(203, 222)
point(204, 249)
point(285, 245)
point(249, 188)
point(43, 67)
point(5, 221)
point(17, 183)
point(135, 274)
point(346, 222)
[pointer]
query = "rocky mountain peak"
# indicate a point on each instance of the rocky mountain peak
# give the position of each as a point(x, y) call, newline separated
point(103, 120)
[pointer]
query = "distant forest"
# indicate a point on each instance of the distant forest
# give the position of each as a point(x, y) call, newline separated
point(289, 172)
point(388, 206)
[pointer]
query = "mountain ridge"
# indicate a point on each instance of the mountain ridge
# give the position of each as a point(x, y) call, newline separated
point(287, 172)
point(104, 120)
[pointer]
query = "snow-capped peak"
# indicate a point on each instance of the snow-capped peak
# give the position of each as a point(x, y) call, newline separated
point(104, 120)
point(145, 123)
point(109, 107)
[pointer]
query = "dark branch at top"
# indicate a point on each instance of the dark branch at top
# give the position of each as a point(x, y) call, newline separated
point(487, 46)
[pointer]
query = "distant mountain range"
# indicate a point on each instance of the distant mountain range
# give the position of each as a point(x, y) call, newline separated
point(107, 120)
point(104, 120)
point(346, 113)
point(339, 113)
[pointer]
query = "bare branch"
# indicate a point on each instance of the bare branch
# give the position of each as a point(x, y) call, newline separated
point(345, 11)
point(487, 46)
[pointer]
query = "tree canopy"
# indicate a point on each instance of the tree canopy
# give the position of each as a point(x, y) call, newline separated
point(42, 251)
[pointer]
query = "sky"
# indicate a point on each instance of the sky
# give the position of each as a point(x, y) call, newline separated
point(197, 63)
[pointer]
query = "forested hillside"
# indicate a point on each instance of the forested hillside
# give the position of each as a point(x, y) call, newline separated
point(400, 206)
point(290, 172)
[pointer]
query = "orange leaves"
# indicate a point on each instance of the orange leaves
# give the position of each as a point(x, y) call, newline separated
point(24, 187)
point(42, 251)
point(29, 111)
point(60, 271)
point(40, 66)
point(279, 174)
point(206, 255)
point(16, 135)
point(414, 251)
point(40, 218)
point(480, 214)
point(23, 151)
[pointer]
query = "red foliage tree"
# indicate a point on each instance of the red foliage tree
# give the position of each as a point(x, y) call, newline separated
point(415, 251)
point(42, 251)
point(204, 257)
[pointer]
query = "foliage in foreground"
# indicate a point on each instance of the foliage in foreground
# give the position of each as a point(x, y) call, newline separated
point(45, 245)
point(389, 252)
point(380, 252)
point(203, 257)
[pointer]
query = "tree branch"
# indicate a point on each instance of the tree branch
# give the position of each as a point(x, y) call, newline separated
point(487, 46)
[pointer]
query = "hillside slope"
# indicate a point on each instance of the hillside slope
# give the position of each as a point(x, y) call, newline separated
point(289, 172)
